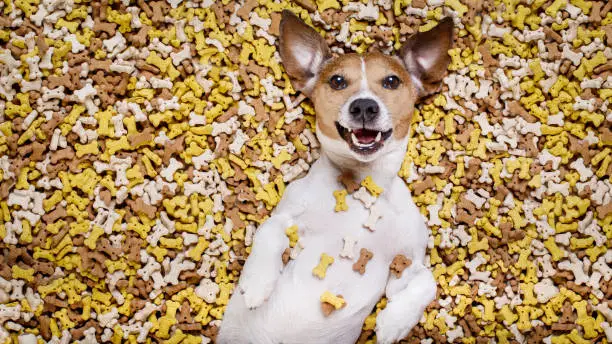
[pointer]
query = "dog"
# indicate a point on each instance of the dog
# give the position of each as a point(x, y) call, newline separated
point(364, 105)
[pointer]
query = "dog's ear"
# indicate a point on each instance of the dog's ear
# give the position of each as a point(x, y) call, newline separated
point(302, 50)
point(425, 56)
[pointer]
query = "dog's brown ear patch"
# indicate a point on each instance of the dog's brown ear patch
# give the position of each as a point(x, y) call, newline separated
point(425, 56)
point(302, 50)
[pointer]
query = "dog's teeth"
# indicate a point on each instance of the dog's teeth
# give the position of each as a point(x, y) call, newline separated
point(354, 138)
point(378, 136)
point(350, 130)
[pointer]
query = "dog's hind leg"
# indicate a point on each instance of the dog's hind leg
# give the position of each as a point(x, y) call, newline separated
point(407, 298)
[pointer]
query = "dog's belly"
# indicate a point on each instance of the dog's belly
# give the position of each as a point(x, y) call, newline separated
point(293, 312)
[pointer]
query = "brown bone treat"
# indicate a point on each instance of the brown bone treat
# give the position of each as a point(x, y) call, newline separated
point(108, 28)
point(92, 261)
point(145, 67)
point(260, 112)
point(235, 266)
point(246, 9)
point(222, 145)
point(347, 179)
point(5, 21)
point(553, 51)
point(97, 65)
point(562, 327)
point(165, 94)
point(234, 215)
point(54, 81)
point(106, 197)
point(399, 264)
point(606, 9)
point(188, 66)
point(328, 308)
point(54, 301)
point(192, 327)
point(246, 78)
point(184, 315)
point(528, 144)
point(566, 67)
point(142, 137)
point(211, 332)
point(601, 71)
point(307, 4)
point(45, 327)
point(75, 78)
point(608, 30)
point(78, 333)
point(132, 246)
point(43, 267)
point(145, 7)
point(295, 128)
point(464, 135)
point(286, 256)
point(76, 59)
point(595, 16)
point(140, 207)
point(24, 150)
point(426, 184)
point(57, 213)
point(487, 58)
point(174, 146)
point(581, 147)
point(222, 18)
point(550, 33)
point(604, 210)
point(256, 69)
point(159, 8)
point(364, 257)
point(583, 290)
point(229, 113)
point(139, 39)
point(105, 246)
point(121, 86)
point(173, 289)
point(274, 27)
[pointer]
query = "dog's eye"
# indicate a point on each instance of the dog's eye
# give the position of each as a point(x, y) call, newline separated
point(337, 82)
point(391, 82)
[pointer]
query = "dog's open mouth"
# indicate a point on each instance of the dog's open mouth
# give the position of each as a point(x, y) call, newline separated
point(362, 140)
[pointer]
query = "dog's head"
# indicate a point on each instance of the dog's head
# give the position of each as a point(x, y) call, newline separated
point(363, 103)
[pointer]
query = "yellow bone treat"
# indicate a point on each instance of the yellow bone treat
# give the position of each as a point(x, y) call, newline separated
point(292, 234)
point(320, 270)
point(340, 196)
point(371, 186)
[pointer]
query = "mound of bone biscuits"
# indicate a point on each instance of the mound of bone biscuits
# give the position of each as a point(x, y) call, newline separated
point(143, 142)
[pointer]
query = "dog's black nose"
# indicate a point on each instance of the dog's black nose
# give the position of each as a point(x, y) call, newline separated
point(364, 109)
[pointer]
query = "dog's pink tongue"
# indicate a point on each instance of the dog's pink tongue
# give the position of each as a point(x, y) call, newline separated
point(365, 136)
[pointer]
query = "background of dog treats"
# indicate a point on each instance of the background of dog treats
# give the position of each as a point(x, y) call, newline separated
point(142, 142)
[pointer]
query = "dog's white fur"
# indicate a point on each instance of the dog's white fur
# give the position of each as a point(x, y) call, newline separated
point(281, 304)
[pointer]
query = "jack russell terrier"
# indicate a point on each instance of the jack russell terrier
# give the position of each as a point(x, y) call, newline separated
point(364, 106)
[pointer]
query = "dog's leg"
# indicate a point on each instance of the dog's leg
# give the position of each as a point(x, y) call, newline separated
point(407, 298)
point(264, 264)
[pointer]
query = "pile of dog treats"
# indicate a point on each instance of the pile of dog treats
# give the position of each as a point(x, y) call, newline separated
point(143, 142)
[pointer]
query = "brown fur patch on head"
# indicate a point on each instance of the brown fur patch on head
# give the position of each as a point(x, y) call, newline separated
point(400, 101)
point(328, 101)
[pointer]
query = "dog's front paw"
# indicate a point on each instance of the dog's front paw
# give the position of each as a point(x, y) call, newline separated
point(256, 291)
point(391, 327)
